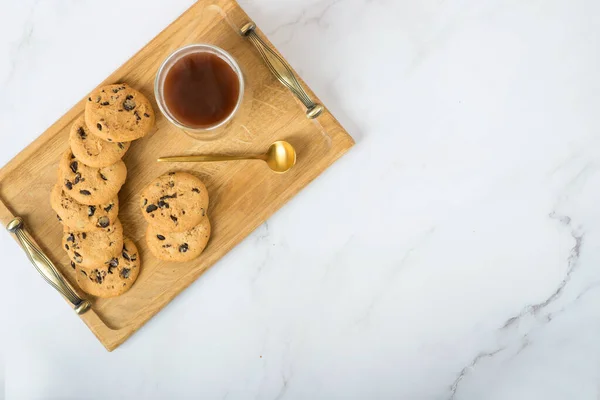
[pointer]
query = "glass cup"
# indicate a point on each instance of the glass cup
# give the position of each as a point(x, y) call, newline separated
point(205, 132)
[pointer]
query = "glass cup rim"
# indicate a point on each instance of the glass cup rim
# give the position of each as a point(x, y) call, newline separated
point(201, 47)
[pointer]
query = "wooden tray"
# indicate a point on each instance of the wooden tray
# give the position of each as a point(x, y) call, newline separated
point(242, 194)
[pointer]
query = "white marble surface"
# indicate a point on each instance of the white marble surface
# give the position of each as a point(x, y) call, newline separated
point(462, 261)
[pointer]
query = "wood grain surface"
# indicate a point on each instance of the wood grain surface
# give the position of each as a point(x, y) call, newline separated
point(242, 194)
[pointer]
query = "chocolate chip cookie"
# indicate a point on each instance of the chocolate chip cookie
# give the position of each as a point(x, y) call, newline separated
point(175, 202)
point(113, 277)
point(91, 249)
point(92, 150)
point(118, 113)
point(81, 217)
point(178, 246)
point(89, 185)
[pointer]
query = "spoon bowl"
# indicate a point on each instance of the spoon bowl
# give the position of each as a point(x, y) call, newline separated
point(281, 156)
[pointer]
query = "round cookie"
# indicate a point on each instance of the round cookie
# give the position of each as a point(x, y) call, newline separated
point(92, 150)
point(114, 277)
point(175, 202)
point(93, 248)
point(118, 113)
point(178, 246)
point(89, 185)
point(81, 217)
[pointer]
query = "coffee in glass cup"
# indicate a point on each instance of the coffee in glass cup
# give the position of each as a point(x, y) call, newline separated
point(199, 88)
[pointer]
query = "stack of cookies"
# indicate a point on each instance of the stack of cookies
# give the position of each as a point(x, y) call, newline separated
point(90, 175)
point(174, 205)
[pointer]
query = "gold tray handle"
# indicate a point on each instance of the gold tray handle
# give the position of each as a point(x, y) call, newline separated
point(281, 70)
point(45, 267)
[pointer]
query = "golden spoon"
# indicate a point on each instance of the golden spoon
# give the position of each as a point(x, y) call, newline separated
point(280, 157)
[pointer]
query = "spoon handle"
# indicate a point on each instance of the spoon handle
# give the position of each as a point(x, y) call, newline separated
point(208, 158)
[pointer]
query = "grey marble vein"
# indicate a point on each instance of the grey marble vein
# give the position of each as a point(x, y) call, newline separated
point(469, 367)
point(573, 263)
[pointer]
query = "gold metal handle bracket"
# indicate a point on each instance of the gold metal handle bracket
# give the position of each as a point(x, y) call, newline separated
point(281, 70)
point(45, 267)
